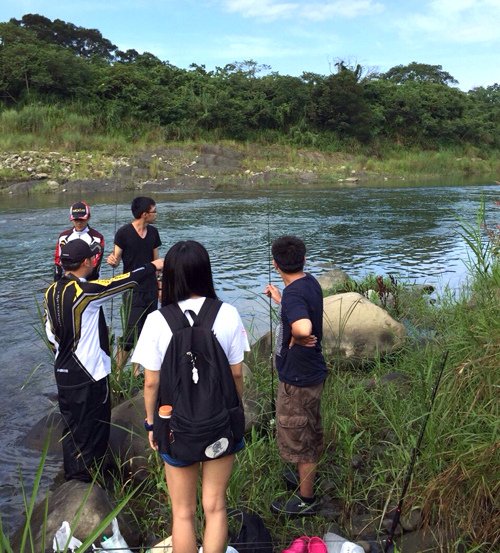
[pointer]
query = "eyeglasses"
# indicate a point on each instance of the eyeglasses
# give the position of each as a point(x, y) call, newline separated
point(152, 211)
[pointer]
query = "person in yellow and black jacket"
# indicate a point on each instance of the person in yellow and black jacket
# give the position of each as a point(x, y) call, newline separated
point(76, 327)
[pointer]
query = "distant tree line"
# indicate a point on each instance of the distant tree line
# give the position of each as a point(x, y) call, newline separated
point(413, 105)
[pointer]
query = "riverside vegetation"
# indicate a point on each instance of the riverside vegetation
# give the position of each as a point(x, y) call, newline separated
point(371, 428)
point(53, 147)
point(68, 88)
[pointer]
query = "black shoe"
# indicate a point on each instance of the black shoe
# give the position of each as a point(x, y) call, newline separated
point(295, 506)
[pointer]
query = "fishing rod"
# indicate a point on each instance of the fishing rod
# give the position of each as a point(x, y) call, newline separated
point(269, 264)
point(389, 544)
point(113, 269)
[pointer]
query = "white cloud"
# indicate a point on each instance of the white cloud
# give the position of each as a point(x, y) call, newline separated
point(272, 10)
point(240, 47)
point(455, 21)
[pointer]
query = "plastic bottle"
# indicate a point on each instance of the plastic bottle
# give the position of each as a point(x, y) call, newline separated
point(338, 544)
point(165, 411)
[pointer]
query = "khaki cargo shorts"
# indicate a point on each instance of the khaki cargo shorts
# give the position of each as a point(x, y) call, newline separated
point(298, 423)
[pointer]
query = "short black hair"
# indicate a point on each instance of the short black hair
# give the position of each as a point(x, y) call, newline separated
point(141, 205)
point(289, 253)
point(71, 265)
point(186, 272)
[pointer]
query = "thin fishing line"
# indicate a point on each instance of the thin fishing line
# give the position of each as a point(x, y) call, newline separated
point(389, 544)
point(113, 270)
point(271, 356)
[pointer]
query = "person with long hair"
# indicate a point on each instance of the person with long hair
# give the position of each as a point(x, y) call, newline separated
point(188, 281)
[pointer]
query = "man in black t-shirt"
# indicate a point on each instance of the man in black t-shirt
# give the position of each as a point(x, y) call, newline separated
point(301, 371)
point(136, 244)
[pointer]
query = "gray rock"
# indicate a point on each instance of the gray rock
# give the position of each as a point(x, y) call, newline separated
point(420, 541)
point(393, 378)
point(333, 279)
point(413, 520)
point(84, 506)
point(364, 527)
point(261, 349)
point(49, 428)
point(128, 442)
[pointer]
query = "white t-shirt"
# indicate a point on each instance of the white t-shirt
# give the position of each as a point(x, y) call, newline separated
point(156, 335)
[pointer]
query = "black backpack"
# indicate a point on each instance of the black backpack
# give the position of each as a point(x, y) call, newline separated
point(195, 378)
point(247, 532)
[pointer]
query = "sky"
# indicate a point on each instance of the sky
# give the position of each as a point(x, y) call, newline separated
point(295, 36)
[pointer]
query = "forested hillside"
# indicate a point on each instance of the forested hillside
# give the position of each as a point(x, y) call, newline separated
point(418, 105)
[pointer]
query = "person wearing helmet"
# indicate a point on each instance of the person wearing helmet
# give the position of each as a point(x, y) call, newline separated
point(79, 215)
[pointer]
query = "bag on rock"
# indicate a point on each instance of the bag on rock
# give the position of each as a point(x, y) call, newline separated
point(64, 541)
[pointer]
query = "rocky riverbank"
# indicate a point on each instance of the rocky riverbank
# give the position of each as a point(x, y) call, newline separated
point(206, 167)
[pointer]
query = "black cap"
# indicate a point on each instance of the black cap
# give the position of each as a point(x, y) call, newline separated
point(80, 210)
point(77, 250)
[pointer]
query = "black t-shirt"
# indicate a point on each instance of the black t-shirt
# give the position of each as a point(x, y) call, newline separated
point(300, 365)
point(137, 251)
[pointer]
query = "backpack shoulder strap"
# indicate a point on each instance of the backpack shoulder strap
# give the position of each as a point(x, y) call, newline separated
point(175, 317)
point(208, 313)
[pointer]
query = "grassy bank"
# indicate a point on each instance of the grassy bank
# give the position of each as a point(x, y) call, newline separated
point(44, 129)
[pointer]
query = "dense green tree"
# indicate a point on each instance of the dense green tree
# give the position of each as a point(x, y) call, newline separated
point(83, 42)
point(418, 72)
point(338, 104)
point(482, 117)
point(32, 68)
point(416, 112)
point(54, 61)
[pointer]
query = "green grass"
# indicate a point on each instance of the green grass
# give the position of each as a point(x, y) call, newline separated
point(72, 129)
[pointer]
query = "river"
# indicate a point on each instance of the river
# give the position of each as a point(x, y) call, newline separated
point(409, 231)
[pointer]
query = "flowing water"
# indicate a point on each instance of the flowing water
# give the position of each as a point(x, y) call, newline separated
point(411, 232)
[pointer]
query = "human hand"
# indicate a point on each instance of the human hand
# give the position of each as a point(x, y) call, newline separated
point(272, 292)
point(112, 260)
point(306, 341)
point(158, 263)
point(152, 441)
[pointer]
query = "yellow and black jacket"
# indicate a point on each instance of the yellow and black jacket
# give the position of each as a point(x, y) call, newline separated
point(76, 327)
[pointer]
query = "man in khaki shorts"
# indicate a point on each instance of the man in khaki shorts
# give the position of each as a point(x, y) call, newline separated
point(301, 371)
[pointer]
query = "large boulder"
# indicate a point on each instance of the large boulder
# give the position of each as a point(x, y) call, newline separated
point(261, 349)
point(356, 330)
point(84, 506)
point(128, 441)
point(334, 279)
point(48, 428)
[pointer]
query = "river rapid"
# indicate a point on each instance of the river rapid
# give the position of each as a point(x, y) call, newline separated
point(411, 232)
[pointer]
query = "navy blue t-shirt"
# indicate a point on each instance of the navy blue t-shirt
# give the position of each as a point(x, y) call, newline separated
point(300, 365)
